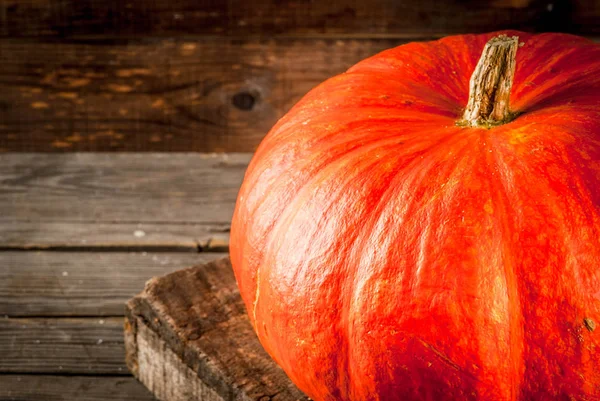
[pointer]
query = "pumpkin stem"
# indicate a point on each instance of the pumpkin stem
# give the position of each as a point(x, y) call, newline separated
point(491, 83)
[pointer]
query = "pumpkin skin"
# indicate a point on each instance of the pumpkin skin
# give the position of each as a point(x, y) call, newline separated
point(385, 253)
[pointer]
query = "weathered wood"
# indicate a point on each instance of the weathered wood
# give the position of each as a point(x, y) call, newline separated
point(62, 346)
point(81, 283)
point(62, 18)
point(163, 372)
point(193, 325)
point(28, 235)
point(71, 388)
point(124, 188)
point(162, 95)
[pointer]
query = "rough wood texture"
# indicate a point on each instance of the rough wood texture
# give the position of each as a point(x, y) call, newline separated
point(211, 95)
point(122, 188)
point(64, 18)
point(194, 322)
point(81, 283)
point(71, 388)
point(116, 236)
point(163, 372)
point(186, 75)
point(62, 346)
point(61, 312)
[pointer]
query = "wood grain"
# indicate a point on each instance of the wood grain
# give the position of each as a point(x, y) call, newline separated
point(62, 346)
point(118, 237)
point(198, 315)
point(75, 18)
point(200, 95)
point(164, 373)
point(81, 283)
point(16, 387)
point(61, 325)
point(183, 189)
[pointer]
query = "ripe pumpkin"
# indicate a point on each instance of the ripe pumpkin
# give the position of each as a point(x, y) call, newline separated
point(389, 248)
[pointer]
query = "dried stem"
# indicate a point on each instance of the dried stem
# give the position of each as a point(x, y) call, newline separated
point(491, 83)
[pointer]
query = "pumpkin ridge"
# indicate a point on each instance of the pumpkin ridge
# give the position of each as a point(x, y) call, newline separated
point(380, 218)
point(382, 117)
point(559, 244)
point(527, 92)
point(340, 191)
point(392, 63)
point(252, 174)
point(499, 171)
point(454, 135)
point(367, 228)
point(300, 163)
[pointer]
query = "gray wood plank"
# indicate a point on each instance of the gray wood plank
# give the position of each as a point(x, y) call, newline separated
point(194, 323)
point(39, 283)
point(126, 188)
point(40, 235)
point(14, 387)
point(62, 346)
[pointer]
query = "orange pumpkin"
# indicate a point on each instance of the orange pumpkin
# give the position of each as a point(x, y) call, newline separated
point(391, 246)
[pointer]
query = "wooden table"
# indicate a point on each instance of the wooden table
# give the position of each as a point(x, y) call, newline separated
point(79, 235)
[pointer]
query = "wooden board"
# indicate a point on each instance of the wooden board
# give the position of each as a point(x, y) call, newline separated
point(73, 18)
point(198, 95)
point(88, 188)
point(118, 237)
point(61, 309)
point(188, 337)
point(81, 283)
point(71, 388)
point(62, 346)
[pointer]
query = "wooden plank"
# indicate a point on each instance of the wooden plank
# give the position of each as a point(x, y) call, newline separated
point(194, 323)
point(62, 346)
point(126, 188)
point(71, 388)
point(72, 18)
point(81, 283)
point(28, 235)
point(202, 95)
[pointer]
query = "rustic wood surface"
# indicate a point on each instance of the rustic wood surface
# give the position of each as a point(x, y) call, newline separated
point(81, 283)
point(184, 75)
point(153, 189)
point(15, 387)
point(79, 235)
point(162, 371)
point(73, 18)
point(62, 345)
point(193, 322)
point(160, 95)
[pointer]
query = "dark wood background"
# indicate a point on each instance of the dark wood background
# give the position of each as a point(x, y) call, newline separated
point(209, 75)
